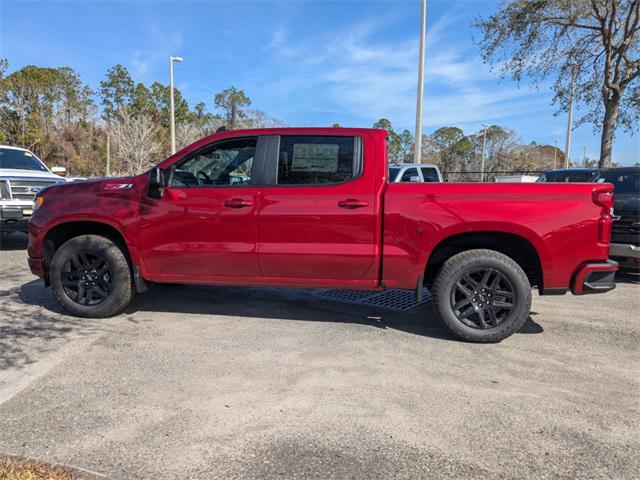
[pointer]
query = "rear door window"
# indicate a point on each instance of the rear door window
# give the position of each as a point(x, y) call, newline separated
point(317, 160)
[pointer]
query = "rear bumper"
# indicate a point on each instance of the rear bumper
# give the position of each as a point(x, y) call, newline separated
point(624, 250)
point(595, 278)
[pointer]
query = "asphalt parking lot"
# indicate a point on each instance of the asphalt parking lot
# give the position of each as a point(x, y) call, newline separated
point(219, 382)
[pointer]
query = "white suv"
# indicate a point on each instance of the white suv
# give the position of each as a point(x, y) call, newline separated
point(22, 175)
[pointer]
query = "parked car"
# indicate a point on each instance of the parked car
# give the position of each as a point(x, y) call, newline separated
point(568, 175)
point(414, 172)
point(22, 175)
point(317, 210)
point(516, 179)
point(625, 233)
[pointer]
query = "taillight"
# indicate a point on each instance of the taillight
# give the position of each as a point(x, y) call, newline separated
point(604, 199)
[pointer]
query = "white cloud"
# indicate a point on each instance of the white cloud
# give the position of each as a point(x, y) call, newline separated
point(152, 53)
point(369, 79)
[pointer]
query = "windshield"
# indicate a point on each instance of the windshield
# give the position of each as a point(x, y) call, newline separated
point(567, 176)
point(393, 173)
point(20, 160)
point(625, 181)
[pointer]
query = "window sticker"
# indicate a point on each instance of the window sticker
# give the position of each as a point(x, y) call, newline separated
point(315, 157)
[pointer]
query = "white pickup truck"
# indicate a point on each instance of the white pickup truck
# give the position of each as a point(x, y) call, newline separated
point(22, 175)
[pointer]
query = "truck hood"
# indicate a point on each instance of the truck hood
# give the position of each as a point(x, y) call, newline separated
point(99, 185)
point(628, 202)
point(11, 172)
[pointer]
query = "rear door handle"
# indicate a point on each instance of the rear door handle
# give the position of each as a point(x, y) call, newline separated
point(238, 203)
point(351, 203)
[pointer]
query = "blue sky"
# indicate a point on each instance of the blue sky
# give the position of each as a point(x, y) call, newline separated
point(304, 62)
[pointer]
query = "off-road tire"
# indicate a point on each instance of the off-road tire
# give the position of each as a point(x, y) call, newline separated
point(468, 261)
point(121, 281)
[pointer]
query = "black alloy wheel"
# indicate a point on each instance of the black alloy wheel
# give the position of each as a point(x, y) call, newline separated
point(482, 298)
point(86, 278)
point(481, 295)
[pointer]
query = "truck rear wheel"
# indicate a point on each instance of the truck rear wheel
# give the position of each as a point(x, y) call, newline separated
point(481, 296)
point(90, 277)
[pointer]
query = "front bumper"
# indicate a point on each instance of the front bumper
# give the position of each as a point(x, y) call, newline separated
point(36, 266)
point(595, 278)
point(14, 216)
point(624, 250)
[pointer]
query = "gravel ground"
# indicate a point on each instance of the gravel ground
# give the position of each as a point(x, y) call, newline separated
point(219, 382)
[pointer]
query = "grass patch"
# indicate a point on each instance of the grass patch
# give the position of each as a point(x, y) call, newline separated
point(32, 470)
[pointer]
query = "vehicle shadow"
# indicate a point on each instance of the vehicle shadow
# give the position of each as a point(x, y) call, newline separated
point(289, 304)
point(50, 321)
point(13, 241)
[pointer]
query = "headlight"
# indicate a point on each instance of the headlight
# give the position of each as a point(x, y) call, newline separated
point(5, 193)
point(38, 202)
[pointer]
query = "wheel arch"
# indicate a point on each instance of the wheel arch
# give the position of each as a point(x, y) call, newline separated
point(62, 232)
point(515, 246)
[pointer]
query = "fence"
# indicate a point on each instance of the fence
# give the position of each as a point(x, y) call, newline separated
point(489, 176)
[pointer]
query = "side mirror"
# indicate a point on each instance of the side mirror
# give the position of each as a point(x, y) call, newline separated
point(414, 179)
point(60, 171)
point(156, 183)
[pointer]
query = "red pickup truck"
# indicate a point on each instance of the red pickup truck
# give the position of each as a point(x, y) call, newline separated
point(313, 207)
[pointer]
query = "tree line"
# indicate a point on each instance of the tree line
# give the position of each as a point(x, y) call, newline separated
point(459, 156)
point(53, 113)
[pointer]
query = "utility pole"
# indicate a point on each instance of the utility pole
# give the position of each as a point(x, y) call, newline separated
point(417, 153)
point(484, 147)
point(555, 153)
point(584, 157)
point(173, 115)
point(567, 147)
point(108, 169)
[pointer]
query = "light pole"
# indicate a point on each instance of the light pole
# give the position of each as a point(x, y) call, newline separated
point(173, 115)
point(555, 153)
point(417, 152)
point(484, 146)
point(567, 146)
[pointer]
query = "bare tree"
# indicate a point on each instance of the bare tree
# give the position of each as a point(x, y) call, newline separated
point(135, 139)
point(260, 119)
point(598, 41)
point(189, 132)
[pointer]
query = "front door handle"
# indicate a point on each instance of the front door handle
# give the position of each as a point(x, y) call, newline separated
point(351, 203)
point(238, 203)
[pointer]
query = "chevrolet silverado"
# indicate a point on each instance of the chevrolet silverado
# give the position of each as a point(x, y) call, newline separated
point(314, 207)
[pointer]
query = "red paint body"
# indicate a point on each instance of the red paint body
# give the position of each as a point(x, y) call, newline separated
point(303, 235)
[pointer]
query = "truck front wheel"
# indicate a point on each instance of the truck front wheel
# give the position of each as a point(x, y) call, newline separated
point(481, 296)
point(90, 277)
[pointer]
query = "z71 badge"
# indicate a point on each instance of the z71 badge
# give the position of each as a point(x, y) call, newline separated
point(118, 186)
